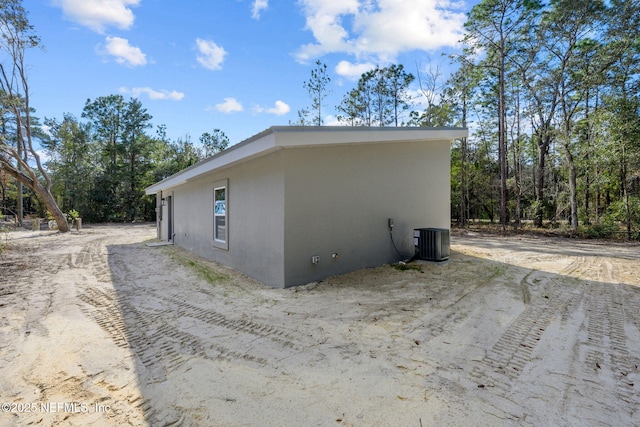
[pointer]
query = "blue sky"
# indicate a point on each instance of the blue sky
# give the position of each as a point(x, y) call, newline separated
point(234, 65)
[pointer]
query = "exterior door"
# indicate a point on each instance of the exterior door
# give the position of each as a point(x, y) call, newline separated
point(170, 218)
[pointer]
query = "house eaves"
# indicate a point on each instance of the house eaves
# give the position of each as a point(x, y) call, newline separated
point(281, 137)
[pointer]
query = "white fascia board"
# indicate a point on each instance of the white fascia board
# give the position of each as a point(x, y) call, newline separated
point(279, 137)
point(241, 152)
point(289, 137)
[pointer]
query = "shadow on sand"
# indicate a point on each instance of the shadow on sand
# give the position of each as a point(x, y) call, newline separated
point(536, 347)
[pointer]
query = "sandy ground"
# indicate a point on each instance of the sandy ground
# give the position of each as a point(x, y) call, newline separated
point(98, 328)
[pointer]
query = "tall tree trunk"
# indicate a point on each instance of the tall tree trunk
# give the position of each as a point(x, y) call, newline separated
point(543, 147)
point(463, 170)
point(625, 191)
point(502, 139)
point(3, 187)
point(517, 164)
point(597, 210)
point(20, 201)
point(463, 183)
point(572, 188)
point(628, 212)
point(587, 177)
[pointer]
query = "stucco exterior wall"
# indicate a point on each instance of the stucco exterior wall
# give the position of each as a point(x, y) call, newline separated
point(294, 193)
point(255, 208)
point(338, 200)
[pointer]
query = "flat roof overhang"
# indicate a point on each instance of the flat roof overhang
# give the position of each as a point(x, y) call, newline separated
point(281, 137)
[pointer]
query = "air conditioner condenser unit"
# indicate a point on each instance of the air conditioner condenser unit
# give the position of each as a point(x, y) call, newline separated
point(431, 244)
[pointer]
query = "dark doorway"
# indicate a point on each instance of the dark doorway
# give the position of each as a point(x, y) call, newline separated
point(170, 218)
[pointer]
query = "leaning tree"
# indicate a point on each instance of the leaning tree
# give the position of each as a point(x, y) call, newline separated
point(18, 156)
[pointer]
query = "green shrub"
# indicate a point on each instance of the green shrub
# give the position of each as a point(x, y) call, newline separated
point(604, 230)
point(72, 215)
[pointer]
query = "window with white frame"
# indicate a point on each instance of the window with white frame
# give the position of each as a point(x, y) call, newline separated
point(220, 214)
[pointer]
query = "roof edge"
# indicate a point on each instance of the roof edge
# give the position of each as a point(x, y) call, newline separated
point(267, 141)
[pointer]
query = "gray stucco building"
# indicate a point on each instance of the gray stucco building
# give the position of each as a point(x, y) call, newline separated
point(292, 205)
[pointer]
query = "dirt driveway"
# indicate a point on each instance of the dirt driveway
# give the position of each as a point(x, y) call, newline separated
point(98, 328)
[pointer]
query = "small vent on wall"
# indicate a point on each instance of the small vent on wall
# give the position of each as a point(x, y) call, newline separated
point(431, 244)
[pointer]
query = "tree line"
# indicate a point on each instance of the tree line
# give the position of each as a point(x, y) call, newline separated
point(549, 91)
point(551, 95)
point(101, 163)
point(553, 90)
point(97, 167)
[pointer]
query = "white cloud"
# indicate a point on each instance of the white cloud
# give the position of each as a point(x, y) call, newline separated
point(123, 52)
point(98, 14)
point(331, 120)
point(353, 71)
point(211, 55)
point(259, 6)
point(154, 94)
point(279, 109)
point(380, 29)
point(324, 19)
point(230, 105)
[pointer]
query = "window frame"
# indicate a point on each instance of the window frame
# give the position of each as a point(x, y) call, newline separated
point(217, 242)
